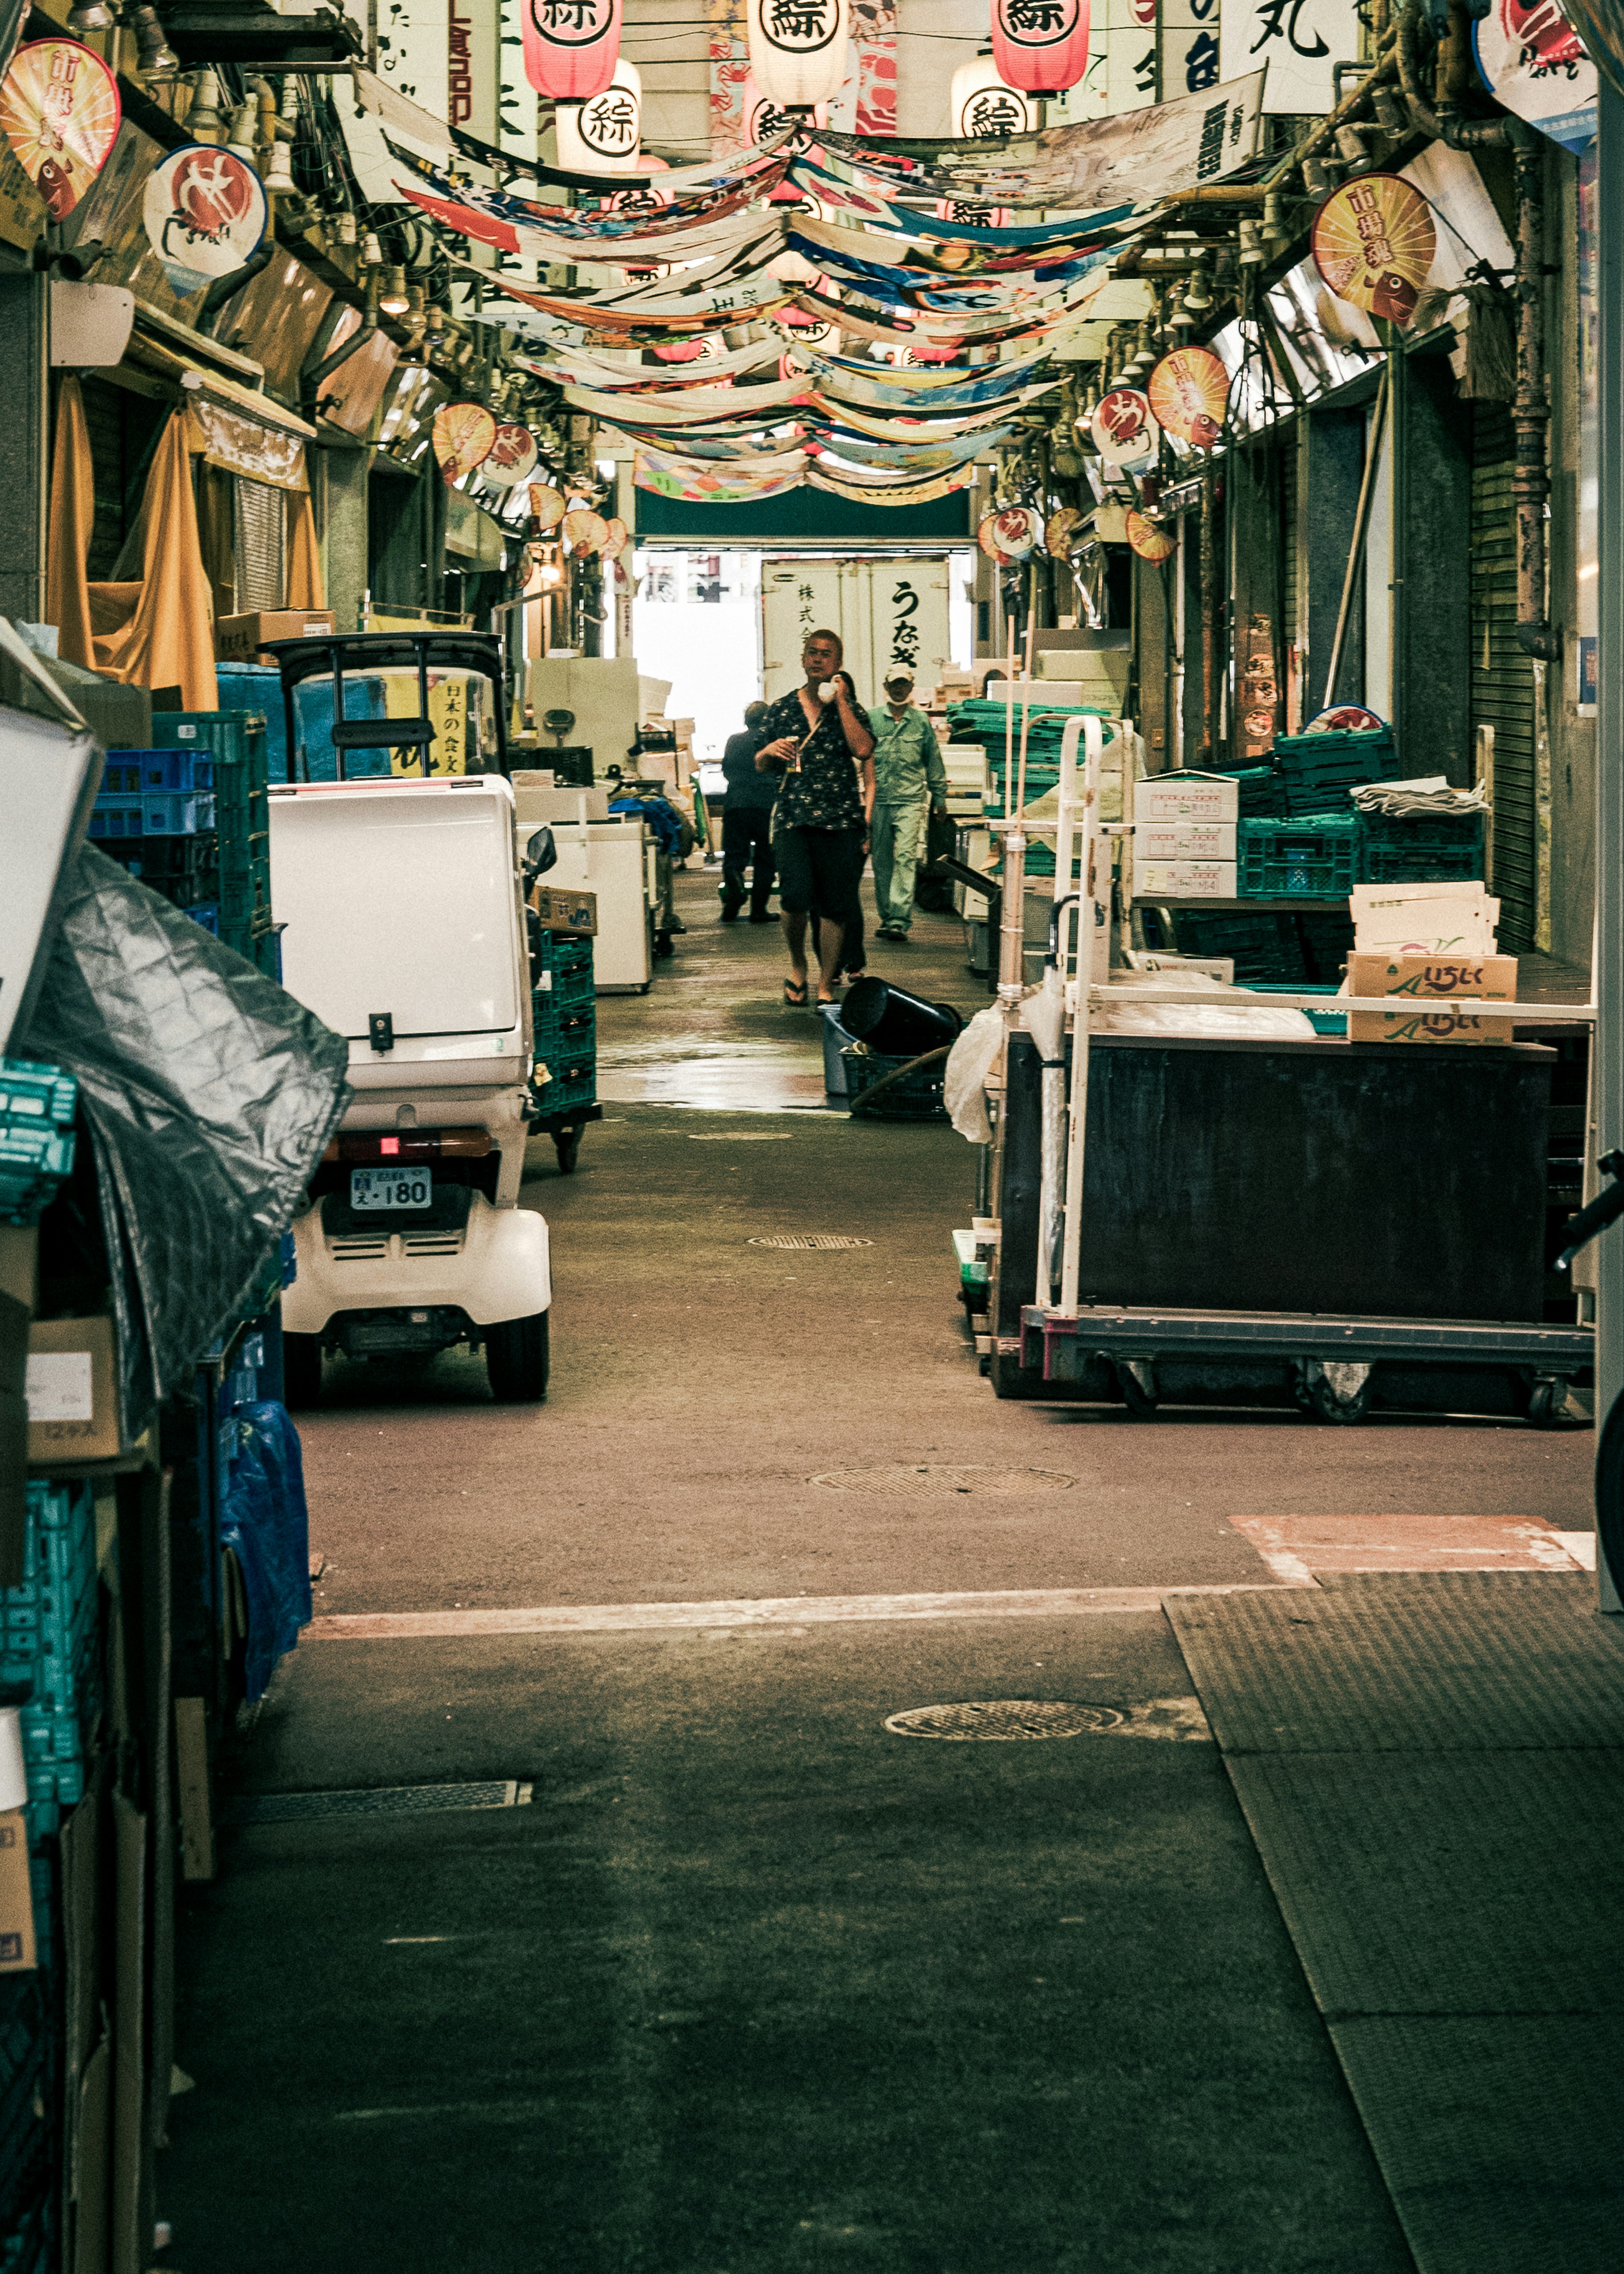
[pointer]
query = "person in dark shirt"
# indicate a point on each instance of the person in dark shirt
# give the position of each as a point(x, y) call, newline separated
point(821, 747)
point(747, 823)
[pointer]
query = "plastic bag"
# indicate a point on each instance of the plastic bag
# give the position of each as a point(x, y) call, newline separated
point(264, 1522)
point(964, 1081)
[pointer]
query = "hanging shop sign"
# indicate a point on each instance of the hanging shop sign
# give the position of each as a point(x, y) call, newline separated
point(585, 531)
point(1301, 41)
point(798, 50)
point(1533, 63)
point(546, 506)
point(1010, 536)
point(60, 110)
point(1372, 241)
point(511, 457)
point(603, 135)
point(1345, 719)
point(1058, 533)
point(571, 47)
point(1188, 392)
point(1040, 46)
point(463, 433)
point(1149, 542)
point(205, 212)
point(983, 106)
point(1123, 426)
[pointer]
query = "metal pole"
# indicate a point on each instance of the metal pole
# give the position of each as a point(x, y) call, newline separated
point(1070, 1258)
point(1361, 524)
point(1608, 990)
point(1052, 1089)
point(1209, 615)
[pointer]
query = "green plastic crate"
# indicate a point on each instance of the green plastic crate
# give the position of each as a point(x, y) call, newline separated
point(237, 742)
point(1447, 847)
point(1315, 858)
point(1317, 770)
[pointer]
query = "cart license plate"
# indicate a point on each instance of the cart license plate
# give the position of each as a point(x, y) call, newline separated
point(391, 1188)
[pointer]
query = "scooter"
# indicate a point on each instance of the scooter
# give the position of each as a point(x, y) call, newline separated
point(401, 903)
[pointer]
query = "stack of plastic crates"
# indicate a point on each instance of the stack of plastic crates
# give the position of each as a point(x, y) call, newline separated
point(28, 2189)
point(234, 742)
point(152, 794)
point(50, 1651)
point(564, 1005)
point(1262, 946)
point(1317, 770)
point(36, 1137)
point(917, 1097)
point(1259, 792)
point(1315, 858)
point(1422, 849)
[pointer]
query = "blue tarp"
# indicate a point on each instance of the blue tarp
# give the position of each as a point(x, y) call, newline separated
point(263, 1520)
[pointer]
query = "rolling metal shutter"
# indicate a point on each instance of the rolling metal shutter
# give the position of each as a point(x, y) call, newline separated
point(1502, 679)
point(262, 545)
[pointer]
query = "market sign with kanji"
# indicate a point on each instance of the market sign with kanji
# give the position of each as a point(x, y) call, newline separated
point(205, 212)
point(1188, 392)
point(59, 108)
point(1533, 62)
point(1301, 41)
point(1373, 241)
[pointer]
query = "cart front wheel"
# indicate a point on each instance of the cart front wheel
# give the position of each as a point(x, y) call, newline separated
point(517, 1358)
point(301, 1371)
point(567, 1145)
point(1335, 1402)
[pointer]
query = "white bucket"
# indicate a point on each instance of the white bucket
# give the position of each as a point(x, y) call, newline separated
point(13, 1769)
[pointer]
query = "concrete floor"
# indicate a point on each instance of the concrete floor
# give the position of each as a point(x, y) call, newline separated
point(751, 1983)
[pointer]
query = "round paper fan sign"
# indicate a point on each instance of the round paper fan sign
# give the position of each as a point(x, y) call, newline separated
point(585, 531)
point(1533, 63)
point(1188, 392)
point(1010, 535)
point(1149, 542)
point(511, 456)
point(60, 110)
point(617, 541)
point(1373, 242)
point(204, 211)
point(1123, 426)
point(546, 505)
point(1058, 533)
point(1345, 719)
point(463, 433)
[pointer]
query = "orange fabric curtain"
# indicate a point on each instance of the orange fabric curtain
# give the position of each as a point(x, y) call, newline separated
point(73, 514)
point(167, 639)
point(305, 585)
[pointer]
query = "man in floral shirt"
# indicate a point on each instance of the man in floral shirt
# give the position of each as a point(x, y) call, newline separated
point(818, 740)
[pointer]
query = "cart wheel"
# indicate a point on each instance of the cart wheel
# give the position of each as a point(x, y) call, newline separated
point(517, 1357)
point(1139, 1397)
point(662, 944)
point(1329, 1407)
point(301, 1371)
point(1545, 1404)
point(567, 1144)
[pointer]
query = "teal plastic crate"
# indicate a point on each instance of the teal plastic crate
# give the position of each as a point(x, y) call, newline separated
point(1317, 770)
point(36, 1137)
point(1444, 847)
point(235, 743)
point(1316, 858)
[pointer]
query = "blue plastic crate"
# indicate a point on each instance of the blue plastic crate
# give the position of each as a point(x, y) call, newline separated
point(116, 817)
point(1316, 858)
point(208, 915)
point(142, 771)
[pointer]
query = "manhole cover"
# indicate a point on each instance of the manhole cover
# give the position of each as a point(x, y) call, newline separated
point(1002, 1720)
point(804, 1239)
point(909, 1477)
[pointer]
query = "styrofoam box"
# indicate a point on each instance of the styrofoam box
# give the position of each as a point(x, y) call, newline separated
point(1184, 841)
point(1186, 797)
point(1183, 880)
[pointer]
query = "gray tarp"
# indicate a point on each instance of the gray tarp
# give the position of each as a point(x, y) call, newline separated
point(210, 1095)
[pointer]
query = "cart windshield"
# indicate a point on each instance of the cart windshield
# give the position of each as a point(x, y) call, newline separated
point(462, 713)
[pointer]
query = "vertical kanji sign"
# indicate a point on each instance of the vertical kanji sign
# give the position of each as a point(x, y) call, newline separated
point(1301, 41)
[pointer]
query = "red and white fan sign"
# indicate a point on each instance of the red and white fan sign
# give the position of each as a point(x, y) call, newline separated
point(59, 109)
point(204, 211)
point(511, 457)
point(1040, 46)
point(571, 47)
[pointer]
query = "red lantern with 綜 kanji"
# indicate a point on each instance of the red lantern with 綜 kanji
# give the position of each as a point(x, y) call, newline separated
point(1040, 46)
point(571, 47)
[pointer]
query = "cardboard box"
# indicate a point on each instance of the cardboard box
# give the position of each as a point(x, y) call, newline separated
point(1183, 880)
point(18, 1952)
point(1186, 797)
point(1422, 986)
point(566, 907)
point(238, 639)
point(1184, 841)
point(72, 1390)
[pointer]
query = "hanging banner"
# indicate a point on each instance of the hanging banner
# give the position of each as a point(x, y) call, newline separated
point(1122, 427)
point(1188, 392)
point(1533, 63)
point(463, 433)
point(511, 457)
point(1373, 241)
point(1301, 41)
point(205, 212)
point(1042, 46)
point(571, 47)
point(798, 49)
point(603, 135)
point(60, 110)
point(1149, 542)
point(981, 106)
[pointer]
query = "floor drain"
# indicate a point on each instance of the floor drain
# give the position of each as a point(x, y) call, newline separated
point(805, 1239)
point(391, 1800)
point(1002, 1720)
point(911, 1477)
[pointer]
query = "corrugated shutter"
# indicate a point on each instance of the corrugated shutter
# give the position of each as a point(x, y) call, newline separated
point(261, 547)
point(1502, 679)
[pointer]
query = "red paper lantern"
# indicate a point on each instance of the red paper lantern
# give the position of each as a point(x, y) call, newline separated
point(571, 47)
point(1040, 46)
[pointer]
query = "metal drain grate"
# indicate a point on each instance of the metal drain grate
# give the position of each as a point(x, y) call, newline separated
point(912, 1477)
point(805, 1239)
point(1002, 1720)
point(393, 1800)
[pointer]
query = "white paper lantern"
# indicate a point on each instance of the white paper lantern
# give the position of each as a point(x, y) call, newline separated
point(798, 50)
point(980, 106)
point(603, 135)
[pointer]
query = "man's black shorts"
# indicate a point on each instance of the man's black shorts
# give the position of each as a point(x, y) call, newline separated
point(819, 871)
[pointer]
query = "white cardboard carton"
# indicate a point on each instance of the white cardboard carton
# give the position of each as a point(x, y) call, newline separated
point(1184, 841)
point(1186, 797)
point(1183, 880)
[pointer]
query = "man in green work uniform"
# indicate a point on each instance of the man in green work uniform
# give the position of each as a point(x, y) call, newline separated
point(910, 783)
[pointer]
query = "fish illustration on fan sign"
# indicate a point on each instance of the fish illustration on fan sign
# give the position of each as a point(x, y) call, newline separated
point(1122, 426)
point(1373, 241)
point(59, 109)
point(511, 456)
point(205, 212)
point(1149, 542)
point(462, 436)
point(1188, 392)
point(1010, 535)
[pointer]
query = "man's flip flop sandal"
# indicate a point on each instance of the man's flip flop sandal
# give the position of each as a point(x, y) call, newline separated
point(794, 995)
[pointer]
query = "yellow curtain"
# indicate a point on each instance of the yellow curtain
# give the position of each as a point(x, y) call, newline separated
point(73, 514)
point(165, 636)
point(304, 586)
point(217, 536)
